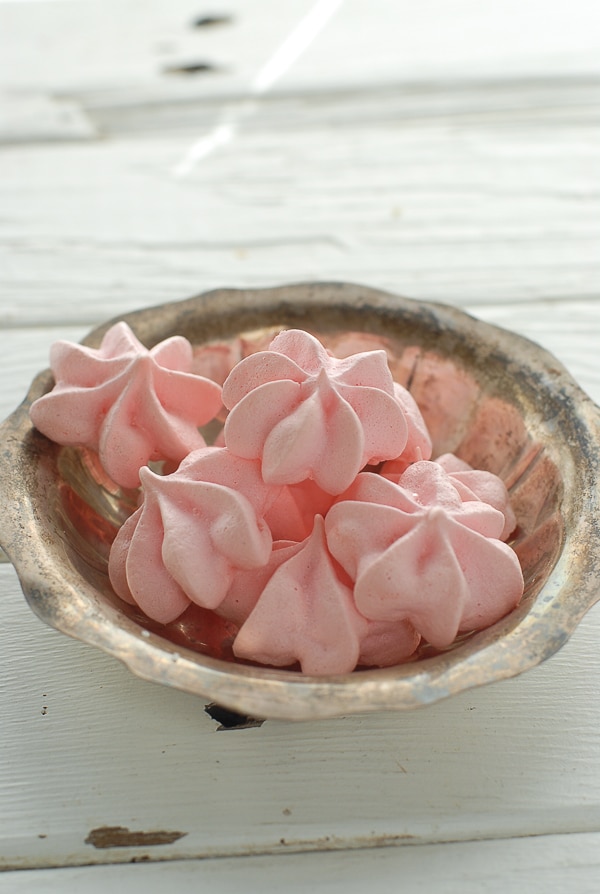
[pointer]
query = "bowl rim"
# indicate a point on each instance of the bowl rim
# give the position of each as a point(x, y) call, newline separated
point(508, 648)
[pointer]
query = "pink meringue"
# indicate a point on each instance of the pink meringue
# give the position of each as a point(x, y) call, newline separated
point(306, 614)
point(248, 584)
point(418, 444)
point(420, 554)
point(292, 515)
point(129, 404)
point(452, 580)
point(305, 414)
point(426, 485)
point(194, 529)
point(476, 484)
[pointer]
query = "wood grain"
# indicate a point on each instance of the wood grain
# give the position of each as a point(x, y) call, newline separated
point(545, 865)
point(469, 212)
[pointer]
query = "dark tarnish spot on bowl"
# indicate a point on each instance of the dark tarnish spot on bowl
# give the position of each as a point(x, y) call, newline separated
point(121, 836)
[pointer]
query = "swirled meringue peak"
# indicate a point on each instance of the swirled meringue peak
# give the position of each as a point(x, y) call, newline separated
point(425, 485)
point(129, 404)
point(476, 484)
point(193, 530)
point(417, 552)
point(306, 613)
point(306, 414)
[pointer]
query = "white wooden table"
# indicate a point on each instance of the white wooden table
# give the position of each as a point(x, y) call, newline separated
point(447, 151)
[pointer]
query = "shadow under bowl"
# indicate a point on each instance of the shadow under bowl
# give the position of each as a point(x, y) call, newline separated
point(495, 399)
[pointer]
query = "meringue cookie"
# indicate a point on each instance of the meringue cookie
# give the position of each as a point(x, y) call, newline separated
point(423, 555)
point(418, 444)
point(305, 414)
point(425, 485)
point(129, 404)
point(247, 584)
point(476, 484)
point(442, 577)
point(194, 529)
point(386, 643)
point(306, 614)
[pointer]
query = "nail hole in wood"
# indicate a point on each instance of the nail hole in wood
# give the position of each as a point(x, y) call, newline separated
point(190, 68)
point(210, 21)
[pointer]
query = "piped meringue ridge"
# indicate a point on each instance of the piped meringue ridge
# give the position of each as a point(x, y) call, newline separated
point(129, 404)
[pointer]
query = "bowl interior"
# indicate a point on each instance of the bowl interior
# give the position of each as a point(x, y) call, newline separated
point(496, 400)
point(464, 415)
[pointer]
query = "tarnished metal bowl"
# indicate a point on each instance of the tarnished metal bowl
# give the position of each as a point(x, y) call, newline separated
point(497, 400)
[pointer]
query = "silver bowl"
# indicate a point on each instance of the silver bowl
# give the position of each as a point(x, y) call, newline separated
point(497, 400)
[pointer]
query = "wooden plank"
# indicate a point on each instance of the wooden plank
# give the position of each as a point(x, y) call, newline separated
point(473, 214)
point(494, 101)
point(69, 46)
point(35, 117)
point(546, 865)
